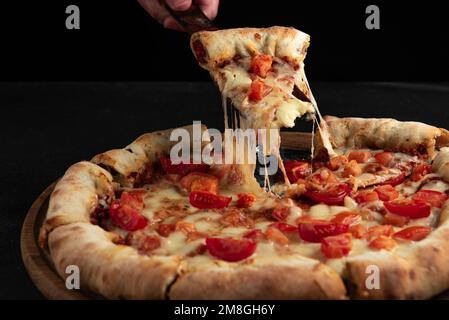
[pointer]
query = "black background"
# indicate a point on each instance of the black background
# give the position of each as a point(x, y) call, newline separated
point(119, 41)
point(54, 112)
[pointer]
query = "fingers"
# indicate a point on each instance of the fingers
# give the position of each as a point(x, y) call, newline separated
point(160, 14)
point(171, 23)
point(209, 7)
point(179, 5)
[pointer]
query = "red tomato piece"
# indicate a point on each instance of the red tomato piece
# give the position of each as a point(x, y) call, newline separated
point(334, 195)
point(126, 217)
point(200, 51)
point(255, 234)
point(395, 219)
point(420, 171)
point(366, 196)
point(245, 200)
point(432, 198)
point(376, 231)
point(275, 235)
point(394, 181)
point(284, 227)
point(415, 233)
point(359, 156)
point(297, 169)
point(230, 249)
point(207, 200)
point(384, 158)
point(316, 230)
point(261, 64)
point(336, 162)
point(199, 181)
point(181, 169)
point(348, 218)
point(258, 90)
point(358, 231)
point(382, 242)
point(408, 208)
point(336, 246)
point(386, 192)
point(280, 213)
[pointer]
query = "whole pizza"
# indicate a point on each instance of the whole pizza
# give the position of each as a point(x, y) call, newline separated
point(371, 199)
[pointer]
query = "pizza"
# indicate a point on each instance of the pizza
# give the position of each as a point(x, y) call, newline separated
point(372, 194)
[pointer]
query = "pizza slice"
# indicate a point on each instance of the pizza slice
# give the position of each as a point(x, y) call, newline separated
point(260, 70)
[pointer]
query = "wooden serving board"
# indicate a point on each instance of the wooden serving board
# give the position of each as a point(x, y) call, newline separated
point(38, 263)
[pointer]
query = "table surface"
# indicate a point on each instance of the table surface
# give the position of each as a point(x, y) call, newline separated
point(45, 127)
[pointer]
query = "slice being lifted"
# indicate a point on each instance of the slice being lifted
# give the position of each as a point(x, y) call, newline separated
point(260, 70)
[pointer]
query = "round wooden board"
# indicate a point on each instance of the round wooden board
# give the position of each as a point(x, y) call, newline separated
point(37, 261)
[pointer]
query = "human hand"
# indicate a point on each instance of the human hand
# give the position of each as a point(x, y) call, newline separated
point(157, 10)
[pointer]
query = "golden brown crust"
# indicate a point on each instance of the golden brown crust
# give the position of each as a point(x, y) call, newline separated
point(223, 45)
point(389, 134)
point(76, 196)
point(114, 271)
point(304, 279)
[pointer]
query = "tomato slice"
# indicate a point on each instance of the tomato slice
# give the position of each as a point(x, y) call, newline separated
point(245, 200)
point(258, 90)
point(366, 196)
point(199, 181)
point(384, 158)
point(316, 230)
point(297, 169)
point(255, 234)
point(394, 181)
point(275, 235)
point(336, 246)
point(334, 195)
point(408, 208)
point(432, 198)
point(261, 64)
point(284, 227)
point(358, 231)
point(229, 249)
point(181, 168)
point(395, 219)
point(376, 231)
point(420, 171)
point(280, 213)
point(126, 217)
point(207, 200)
point(415, 233)
point(382, 242)
point(386, 192)
point(348, 218)
point(336, 162)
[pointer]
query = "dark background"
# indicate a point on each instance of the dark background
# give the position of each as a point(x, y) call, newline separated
point(119, 41)
point(66, 95)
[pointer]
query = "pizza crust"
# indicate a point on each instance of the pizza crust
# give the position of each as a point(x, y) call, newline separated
point(383, 133)
point(223, 45)
point(114, 271)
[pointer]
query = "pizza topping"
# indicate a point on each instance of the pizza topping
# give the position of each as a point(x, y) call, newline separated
point(420, 171)
point(359, 156)
point(245, 200)
point(347, 217)
point(352, 168)
point(235, 218)
point(408, 208)
point(333, 195)
point(164, 229)
point(395, 181)
point(432, 198)
point(316, 230)
point(415, 233)
point(145, 244)
point(382, 242)
point(297, 169)
point(386, 192)
point(280, 213)
point(336, 246)
point(284, 227)
point(185, 227)
point(376, 231)
point(181, 169)
point(255, 234)
point(336, 162)
point(198, 181)
point(384, 158)
point(261, 64)
point(200, 51)
point(395, 219)
point(229, 249)
point(358, 231)
point(321, 178)
point(366, 196)
point(275, 235)
point(125, 213)
point(258, 90)
point(207, 200)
